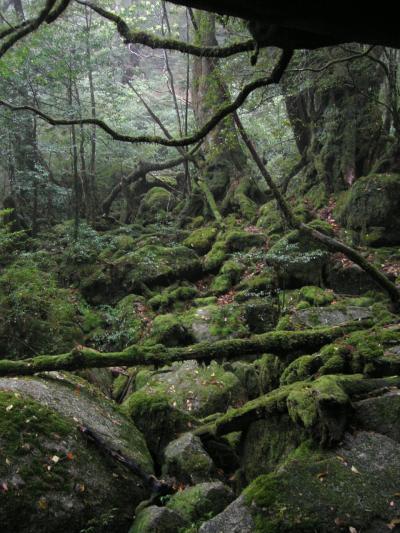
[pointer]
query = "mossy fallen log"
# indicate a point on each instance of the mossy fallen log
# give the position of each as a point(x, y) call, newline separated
point(321, 406)
point(286, 344)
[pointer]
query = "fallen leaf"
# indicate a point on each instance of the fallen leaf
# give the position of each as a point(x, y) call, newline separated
point(70, 456)
point(42, 503)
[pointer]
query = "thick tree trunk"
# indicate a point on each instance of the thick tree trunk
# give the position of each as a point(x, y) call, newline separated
point(336, 120)
point(225, 161)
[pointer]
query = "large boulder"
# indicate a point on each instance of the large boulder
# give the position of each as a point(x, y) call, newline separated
point(371, 210)
point(50, 474)
point(298, 261)
point(352, 488)
point(168, 402)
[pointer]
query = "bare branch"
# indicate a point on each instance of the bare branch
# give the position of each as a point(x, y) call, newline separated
point(334, 62)
point(224, 111)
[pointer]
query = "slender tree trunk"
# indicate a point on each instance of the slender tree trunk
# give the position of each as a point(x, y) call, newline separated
point(331, 244)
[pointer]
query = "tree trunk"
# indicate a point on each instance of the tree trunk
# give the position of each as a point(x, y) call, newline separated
point(336, 119)
point(225, 161)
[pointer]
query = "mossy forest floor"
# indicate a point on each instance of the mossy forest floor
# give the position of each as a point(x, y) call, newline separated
point(265, 392)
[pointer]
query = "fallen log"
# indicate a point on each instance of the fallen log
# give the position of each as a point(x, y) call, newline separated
point(286, 344)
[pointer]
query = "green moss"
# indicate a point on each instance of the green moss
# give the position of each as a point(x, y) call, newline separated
point(263, 283)
point(367, 353)
point(238, 241)
point(312, 490)
point(169, 330)
point(154, 414)
point(216, 256)
point(202, 239)
point(322, 225)
point(155, 205)
point(200, 502)
point(156, 265)
point(170, 296)
point(221, 284)
point(316, 296)
point(36, 316)
point(300, 369)
point(270, 219)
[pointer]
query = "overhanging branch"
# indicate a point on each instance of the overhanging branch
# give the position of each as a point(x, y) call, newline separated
point(155, 42)
point(224, 111)
point(48, 14)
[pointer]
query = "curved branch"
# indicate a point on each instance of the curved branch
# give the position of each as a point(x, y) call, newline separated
point(155, 42)
point(47, 14)
point(143, 168)
point(224, 111)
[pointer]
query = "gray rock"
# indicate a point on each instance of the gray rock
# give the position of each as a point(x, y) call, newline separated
point(50, 475)
point(155, 519)
point(236, 518)
point(201, 324)
point(329, 316)
point(380, 414)
point(187, 461)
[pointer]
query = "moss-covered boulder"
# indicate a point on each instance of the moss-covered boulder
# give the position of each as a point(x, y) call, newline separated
point(195, 389)
point(297, 261)
point(50, 474)
point(240, 240)
point(350, 489)
point(173, 295)
point(155, 205)
point(154, 265)
point(380, 414)
point(155, 413)
point(197, 503)
point(371, 210)
point(169, 330)
point(201, 239)
point(334, 315)
point(267, 443)
point(186, 460)
point(155, 519)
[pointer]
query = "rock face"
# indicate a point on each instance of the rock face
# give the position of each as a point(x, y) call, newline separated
point(186, 460)
point(236, 518)
point(329, 316)
point(351, 487)
point(372, 208)
point(297, 261)
point(168, 402)
point(49, 474)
